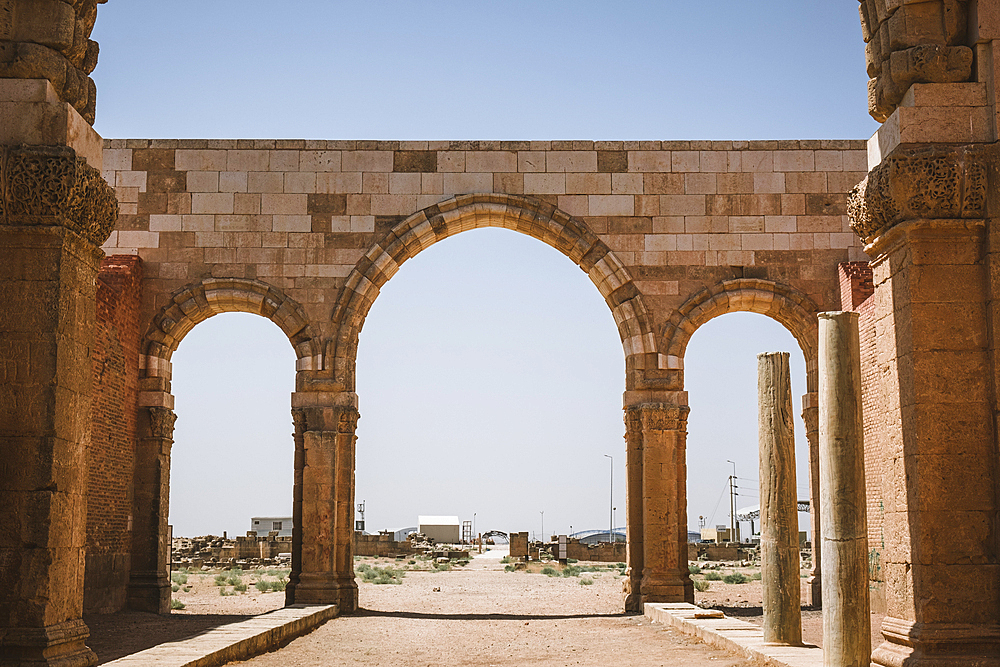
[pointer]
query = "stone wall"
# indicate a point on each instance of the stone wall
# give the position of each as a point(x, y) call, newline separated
point(603, 553)
point(381, 545)
point(111, 451)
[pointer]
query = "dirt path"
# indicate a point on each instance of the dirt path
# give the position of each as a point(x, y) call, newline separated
point(482, 615)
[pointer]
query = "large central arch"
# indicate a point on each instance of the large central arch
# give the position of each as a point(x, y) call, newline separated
point(464, 212)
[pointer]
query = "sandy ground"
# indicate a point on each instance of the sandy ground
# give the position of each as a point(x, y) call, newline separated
point(506, 618)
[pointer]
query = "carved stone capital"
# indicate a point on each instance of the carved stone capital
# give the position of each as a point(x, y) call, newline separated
point(53, 186)
point(348, 422)
point(654, 417)
point(161, 423)
point(927, 183)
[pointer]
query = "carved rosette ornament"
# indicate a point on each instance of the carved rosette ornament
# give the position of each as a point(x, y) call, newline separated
point(932, 183)
point(53, 186)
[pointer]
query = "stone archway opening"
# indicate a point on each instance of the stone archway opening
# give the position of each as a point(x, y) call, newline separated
point(233, 453)
point(150, 579)
point(489, 378)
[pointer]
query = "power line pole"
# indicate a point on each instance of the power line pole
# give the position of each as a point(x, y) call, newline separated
point(733, 537)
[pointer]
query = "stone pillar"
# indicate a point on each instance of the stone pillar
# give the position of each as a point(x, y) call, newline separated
point(942, 594)
point(55, 212)
point(779, 522)
point(634, 543)
point(843, 501)
point(149, 581)
point(323, 500)
point(656, 434)
point(810, 417)
point(921, 214)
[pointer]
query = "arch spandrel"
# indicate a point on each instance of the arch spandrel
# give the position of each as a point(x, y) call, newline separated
point(198, 302)
point(465, 212)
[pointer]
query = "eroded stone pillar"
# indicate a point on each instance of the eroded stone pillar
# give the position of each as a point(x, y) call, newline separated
point(323, 500)
point(634, 543)
point(779, 523)
point(149, 581)
point(843, 501)
point(941, 565)
point(810, 417)
point(656, 435)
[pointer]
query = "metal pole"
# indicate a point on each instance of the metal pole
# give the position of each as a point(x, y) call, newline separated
point(611, 504)
point(732, 504)
point(543, 526)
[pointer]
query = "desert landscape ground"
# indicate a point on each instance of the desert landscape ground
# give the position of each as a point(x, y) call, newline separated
point(482, 611)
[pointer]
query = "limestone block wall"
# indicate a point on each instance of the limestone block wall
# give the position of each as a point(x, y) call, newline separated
point(111, 450)
point(300, 215)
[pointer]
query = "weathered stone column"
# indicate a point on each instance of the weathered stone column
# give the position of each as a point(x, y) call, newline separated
point(843, 501)
point(922, 215)
point(149, 581)
point(662, 429)
point(323, 500)
point(634, 543)
point(810, 417)
point(779, 522)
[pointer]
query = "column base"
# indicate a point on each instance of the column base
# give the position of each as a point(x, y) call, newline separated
point(631, 597)
point(660, 588)
point(149, 591)
point(815, 592)
point(323, 589)
point(910, 644)
point(60, 645)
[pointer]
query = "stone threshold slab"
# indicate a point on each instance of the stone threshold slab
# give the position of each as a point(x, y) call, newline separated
point(733, 635)
point(236, 641)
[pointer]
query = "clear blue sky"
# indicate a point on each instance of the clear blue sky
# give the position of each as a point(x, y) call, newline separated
point(490, 372)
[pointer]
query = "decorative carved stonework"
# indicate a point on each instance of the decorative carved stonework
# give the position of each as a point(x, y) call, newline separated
point(57, 47)
point(53, 186)
point(348, 422)
point(907, 43)
point(161, 423)
point(299, 420)
point(654, 417)
point(937, 182)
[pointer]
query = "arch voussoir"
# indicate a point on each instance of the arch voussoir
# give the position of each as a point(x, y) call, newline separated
point(534, 218)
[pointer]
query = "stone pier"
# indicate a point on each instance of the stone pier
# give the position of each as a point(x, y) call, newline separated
point(779, 544)
point(844, 521)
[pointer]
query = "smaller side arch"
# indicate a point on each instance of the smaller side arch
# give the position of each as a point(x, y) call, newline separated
point(196, 303)
point(785, 304)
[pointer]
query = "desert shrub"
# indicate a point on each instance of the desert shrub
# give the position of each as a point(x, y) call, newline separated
point(694, 569)
point(550, 571)
point(382, 575)
point(442, 567)
point(175, 588)
point(712, 575)
point(505, 560)
point(241, 587)
point(571, 571)
point(179, 577)
point(509, 567)
point(572, 560)
point(221, 580)
point(620, 566)
point(411, 562)
point(176, 604)
point(735, 578)
point(700, 585)
point(262, 586)
point(586, 582)
point(755, 576)
point(225, 592)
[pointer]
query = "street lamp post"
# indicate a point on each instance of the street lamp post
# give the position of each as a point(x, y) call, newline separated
point(611, 504)
point(543, 526)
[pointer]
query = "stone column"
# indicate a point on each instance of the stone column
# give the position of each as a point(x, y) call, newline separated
point(149, 581)
point(323, 500)
point(922, 215)
point(843, 501)
point(779, 522)
point(55, 211)
point(661, 429)
point(634, 543)
point(810, 417)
